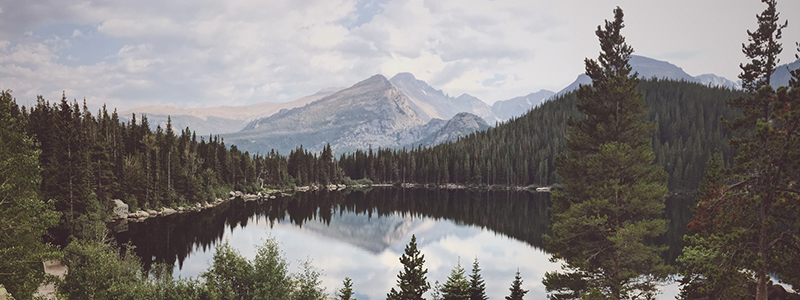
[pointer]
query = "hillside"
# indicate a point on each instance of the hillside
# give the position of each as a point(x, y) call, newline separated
point(521, 151)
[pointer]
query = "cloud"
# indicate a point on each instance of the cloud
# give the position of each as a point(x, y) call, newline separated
point(207, 53)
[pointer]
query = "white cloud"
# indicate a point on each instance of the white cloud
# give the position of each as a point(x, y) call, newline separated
point(207, 53)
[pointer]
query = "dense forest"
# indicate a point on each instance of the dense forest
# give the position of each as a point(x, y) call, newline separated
point(521, 151)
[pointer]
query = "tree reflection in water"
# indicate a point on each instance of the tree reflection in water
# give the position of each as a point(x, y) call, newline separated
point(520, 215)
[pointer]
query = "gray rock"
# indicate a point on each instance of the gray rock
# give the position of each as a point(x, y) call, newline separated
point(120, 209)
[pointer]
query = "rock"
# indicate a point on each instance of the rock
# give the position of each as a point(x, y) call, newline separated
point(272, 197)
point(181, 208)
point(167, 211)
point(120, 209)
point(209, 205)
point(198, 205)
point(152, 213)
point(232, 194)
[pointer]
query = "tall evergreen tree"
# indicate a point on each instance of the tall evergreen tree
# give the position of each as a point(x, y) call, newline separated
point(24, 217)
point(517, 293)
point(346, 292)
point(755, 214)
point(612, 190)
point(457, 287)
point(412, 281)
point(477, 288)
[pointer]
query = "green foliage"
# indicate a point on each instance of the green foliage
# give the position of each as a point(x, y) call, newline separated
point(477, 288)
point(412, 281)
point(746, 220)
point(346, 292)
point(271, 275)
point(309, 286)
point(24, 217)
point(457, 287)
point(230, 275)
point(612, 190)
point(517, 293)
point(97, 271)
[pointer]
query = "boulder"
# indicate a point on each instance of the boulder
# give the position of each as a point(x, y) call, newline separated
point(232, 194)
point(120, 209)
point(152, 213)
point(167, 211)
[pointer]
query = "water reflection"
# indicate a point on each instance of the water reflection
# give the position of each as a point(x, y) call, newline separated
point(361, 234)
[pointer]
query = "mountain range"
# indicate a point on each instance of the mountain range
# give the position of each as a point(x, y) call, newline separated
point(649, 68)
point(399, 112)
point(372, 113)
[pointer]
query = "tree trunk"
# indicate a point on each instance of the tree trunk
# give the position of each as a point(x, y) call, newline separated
point(761, 272)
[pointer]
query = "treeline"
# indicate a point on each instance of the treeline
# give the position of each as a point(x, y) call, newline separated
point(521, 151)
point(86, 160)
point(97, 271)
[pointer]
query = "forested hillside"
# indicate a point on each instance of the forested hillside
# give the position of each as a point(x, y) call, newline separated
point(86, 160)
point(521, 151)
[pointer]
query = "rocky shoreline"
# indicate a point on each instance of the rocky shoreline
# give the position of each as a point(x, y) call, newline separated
point(121, 216)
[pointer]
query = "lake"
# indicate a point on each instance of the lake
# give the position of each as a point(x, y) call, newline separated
point(362, 234)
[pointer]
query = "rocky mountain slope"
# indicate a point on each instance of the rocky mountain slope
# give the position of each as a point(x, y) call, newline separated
point(371, 113)
point(219, 119)
point(460, 125)
point(507, 109)
point(652, 68)
point(429, 103)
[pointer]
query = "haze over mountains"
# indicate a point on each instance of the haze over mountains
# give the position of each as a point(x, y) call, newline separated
point(399, 112)
point(372, 113)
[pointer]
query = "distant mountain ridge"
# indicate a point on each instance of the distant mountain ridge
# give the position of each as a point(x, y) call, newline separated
point(219, 119)
point(514, 107)
point(429, 103)
point(399, 112)
point(651, 68)
point(372, 113)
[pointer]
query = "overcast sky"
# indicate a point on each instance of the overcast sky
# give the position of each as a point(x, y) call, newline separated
point(201, 53)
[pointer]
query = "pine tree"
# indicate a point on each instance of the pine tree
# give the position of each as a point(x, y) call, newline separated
point(457, 287)
point(477, 288)
point(346, 292)
point(612, 190)
point(411, 281)
point(517, 293)
point(755, 223)
point(24, 217)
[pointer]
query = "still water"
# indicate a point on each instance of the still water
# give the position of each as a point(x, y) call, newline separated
point(361, 235)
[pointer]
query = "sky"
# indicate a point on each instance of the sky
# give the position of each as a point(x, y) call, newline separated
point(205, 53)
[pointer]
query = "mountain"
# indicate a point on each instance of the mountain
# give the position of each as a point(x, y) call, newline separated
point(460, 125)
point(429, 103)
point(781, 76)
point(714, 80)
point(219, 119)
point(507, 109)
point(371, 113)
point(649, 68)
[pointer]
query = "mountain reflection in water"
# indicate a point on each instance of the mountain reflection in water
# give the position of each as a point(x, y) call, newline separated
point(361, 234)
